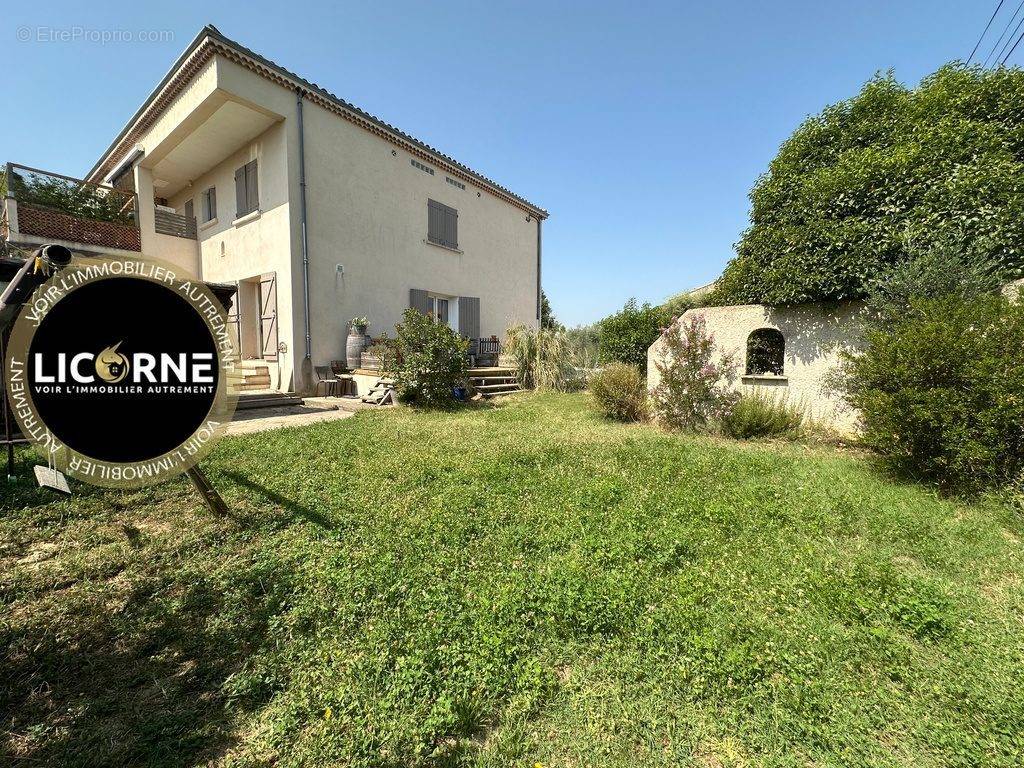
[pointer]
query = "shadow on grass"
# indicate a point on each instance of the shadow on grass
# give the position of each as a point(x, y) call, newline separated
point(273, 497)
point(83, 683)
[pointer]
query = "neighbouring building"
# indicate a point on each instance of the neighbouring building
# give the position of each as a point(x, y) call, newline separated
point(241, 172)
point(787, 352)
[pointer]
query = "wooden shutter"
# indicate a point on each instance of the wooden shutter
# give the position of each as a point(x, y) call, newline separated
point(252, 187)
point(451, 229)
point(190, 210)
point(442, 224)
point(418, 300)
point(435, 221)
point(240, 192)
point(469, 317)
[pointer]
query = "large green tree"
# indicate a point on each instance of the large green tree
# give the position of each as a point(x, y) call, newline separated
point(893, 166)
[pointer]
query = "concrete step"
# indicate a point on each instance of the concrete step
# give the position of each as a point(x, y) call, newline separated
point(252, 400)
point(250, 364)
point(253, 387)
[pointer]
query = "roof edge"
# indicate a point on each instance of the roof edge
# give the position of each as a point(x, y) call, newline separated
point(395, 135)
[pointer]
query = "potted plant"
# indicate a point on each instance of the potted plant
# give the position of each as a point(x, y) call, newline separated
point(356, 342)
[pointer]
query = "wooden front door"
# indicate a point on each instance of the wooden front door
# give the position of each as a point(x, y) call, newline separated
point(268, 316)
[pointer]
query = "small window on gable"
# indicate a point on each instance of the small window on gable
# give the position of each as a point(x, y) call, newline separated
point(766, 352)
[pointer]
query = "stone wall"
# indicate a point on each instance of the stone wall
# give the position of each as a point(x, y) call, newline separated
point(814, 335)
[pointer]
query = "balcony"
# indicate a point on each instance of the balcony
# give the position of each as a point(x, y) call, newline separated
point(174, 224)
point(44, 207)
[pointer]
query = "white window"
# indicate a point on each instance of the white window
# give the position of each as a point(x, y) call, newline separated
point(444, 309)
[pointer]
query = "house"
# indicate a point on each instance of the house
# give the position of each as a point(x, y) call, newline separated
point(239, 171)
point(787, 352)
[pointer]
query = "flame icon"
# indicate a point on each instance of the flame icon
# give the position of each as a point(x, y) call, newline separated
point(111, 365)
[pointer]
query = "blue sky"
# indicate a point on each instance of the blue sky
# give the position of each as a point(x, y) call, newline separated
point(640, 126)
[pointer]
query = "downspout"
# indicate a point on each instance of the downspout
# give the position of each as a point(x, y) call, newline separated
point(540, 335)
point(539, 288)
point(305, 243)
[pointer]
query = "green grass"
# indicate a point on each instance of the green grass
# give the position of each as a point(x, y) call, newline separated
point(511, 585)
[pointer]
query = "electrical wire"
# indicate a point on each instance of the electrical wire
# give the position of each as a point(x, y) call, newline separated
point(1007, 43)
point(1007, 56)
point(995, 46)
point(985, 31)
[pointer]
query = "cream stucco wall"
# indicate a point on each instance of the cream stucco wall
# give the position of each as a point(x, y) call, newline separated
point(814, 333)
point(366, 211)
point(233, 249)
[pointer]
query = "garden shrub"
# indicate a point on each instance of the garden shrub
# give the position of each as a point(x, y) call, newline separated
point(941, 391)
point(626, 335)
point(696, 378)
point(428, 360)
point(951, 267)
point(71, 197)
point(620, 392)
point(760, 414)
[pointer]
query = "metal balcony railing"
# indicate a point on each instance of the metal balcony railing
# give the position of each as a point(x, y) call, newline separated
point(57, 207)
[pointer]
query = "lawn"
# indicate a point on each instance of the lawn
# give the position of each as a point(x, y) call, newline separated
point(506, 586)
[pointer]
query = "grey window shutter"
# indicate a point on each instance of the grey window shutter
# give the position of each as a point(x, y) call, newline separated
point(252, 187)
point(212, 196)
point(442, 224)
point(190, 210)
point(418, 300)
point(469, 317)
point(240, 200)
point(452, 228)
point(435, 225)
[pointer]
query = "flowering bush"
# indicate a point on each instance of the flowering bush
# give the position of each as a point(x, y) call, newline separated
point(696, 379)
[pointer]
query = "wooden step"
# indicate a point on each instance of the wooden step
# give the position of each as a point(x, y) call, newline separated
point(486, 387)
point(494, 380)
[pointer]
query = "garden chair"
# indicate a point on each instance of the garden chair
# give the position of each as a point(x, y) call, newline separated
point(326, 380)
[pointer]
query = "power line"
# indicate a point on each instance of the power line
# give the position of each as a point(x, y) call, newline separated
point(1003, 49)
point(1009, 24)
point(984, 31)
point(1012, 49)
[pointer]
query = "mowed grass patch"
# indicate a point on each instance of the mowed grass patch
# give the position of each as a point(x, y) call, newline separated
point(509, 585)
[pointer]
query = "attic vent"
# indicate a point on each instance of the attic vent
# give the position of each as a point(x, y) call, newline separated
point(422, 167)
point(454, 183)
